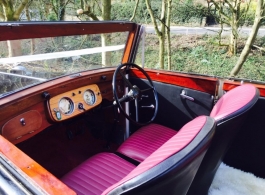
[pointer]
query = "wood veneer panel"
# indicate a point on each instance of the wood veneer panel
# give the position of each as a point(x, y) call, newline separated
point(44, 124)
point(31, 169)
point(15, 128)
point(200, 83)
point(76, 96)
point(18, 102)
point(228, 85)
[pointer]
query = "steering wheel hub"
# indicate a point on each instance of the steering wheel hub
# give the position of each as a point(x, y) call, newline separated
point(135, 93)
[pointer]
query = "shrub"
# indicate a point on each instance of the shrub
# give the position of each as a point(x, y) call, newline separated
point(181, 12)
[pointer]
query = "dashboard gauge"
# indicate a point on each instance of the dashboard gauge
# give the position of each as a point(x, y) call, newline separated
point(66, 105)
point(89, 97)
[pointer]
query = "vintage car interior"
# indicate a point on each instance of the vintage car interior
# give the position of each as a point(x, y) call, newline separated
point(73, 122)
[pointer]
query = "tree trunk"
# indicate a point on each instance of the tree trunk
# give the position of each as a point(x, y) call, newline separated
point(32, 41)
point(244, 54)
point(10, 14)
point(105, 38)
point(161, 51)
point(61, 11)
point(162, 35)
point(14, 48)
point(234, 28)
point(169, 4)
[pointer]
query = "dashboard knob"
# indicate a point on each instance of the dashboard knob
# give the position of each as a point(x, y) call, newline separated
point(81, 106)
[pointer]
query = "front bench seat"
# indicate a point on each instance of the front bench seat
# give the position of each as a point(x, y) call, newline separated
point(168, 170)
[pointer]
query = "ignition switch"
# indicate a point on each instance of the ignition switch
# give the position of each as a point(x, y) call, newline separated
point(81, 106)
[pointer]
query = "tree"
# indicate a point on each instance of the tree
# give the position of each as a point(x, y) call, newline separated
point(164, 30)
point(87, 9)
point(260, 12)
point(58, 6)
point(231, 13)
point(105, 38)
point(12, 11)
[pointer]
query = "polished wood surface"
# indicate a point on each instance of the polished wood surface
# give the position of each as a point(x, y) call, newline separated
point(20, 30)
point(32, 170)
point(20, 102)
point(77, 97)
point(40, 108)
point(228, 85)
point(200, 83)
point(21, 125)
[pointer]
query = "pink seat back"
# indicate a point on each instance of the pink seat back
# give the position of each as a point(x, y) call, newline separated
point(229, 113)
point(235, 102)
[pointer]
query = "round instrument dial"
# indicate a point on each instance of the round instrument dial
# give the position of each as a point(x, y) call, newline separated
point(66, 105)
point(89, 97)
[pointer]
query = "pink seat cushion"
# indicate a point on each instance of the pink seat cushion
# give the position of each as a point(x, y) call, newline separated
point(232, 101)
point(145, 141)
point(185, 135)
point(97, 173)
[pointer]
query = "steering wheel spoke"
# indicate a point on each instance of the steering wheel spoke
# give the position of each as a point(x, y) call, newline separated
point(145, 90)
point(134, 93)
point(125, 98)
point(136, 110)
point(126, 80)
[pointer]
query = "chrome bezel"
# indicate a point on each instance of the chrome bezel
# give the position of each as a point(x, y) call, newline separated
point(72, 104)
point(95, 97)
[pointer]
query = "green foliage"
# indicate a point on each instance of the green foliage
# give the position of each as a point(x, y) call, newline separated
point(198, 54)
point(249, 16)
point(124, 11)
point(52, 17)
point(187, 12)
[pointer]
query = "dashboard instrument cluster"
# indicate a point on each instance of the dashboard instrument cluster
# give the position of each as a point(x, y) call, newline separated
point(74, 102)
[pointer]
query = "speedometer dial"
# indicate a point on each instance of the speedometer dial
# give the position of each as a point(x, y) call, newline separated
point(89, 97)
point(66, 105)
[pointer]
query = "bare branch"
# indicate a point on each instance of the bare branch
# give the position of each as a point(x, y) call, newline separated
point(229, 4)
point(152, 17)
point(244, 54)
point(260, 48)
point(54, 8)
point(226, 20)
point(20, 9)
point(135, 9)
point(3, 2)
point(91, 15)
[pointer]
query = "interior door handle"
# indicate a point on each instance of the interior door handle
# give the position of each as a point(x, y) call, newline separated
point(184, 96)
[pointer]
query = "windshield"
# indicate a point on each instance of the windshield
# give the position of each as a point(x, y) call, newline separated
point(26, 62)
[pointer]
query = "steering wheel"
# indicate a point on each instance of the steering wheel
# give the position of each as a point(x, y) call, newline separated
point(133, 93)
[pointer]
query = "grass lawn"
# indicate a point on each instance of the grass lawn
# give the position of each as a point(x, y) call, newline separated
point(201, 54)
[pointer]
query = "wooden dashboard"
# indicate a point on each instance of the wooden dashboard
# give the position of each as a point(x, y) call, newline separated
point(74, 102)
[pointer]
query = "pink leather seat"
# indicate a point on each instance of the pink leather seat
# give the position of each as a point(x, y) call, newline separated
point(170, 169)
point(145, 141)
point(97, 173)
point(229, 113)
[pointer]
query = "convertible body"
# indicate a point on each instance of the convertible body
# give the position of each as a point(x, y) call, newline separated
point(63, 101)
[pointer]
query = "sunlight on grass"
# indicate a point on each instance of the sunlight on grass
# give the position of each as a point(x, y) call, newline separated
point(202, 55)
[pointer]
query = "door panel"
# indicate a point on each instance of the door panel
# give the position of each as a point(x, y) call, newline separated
point(173, 111)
